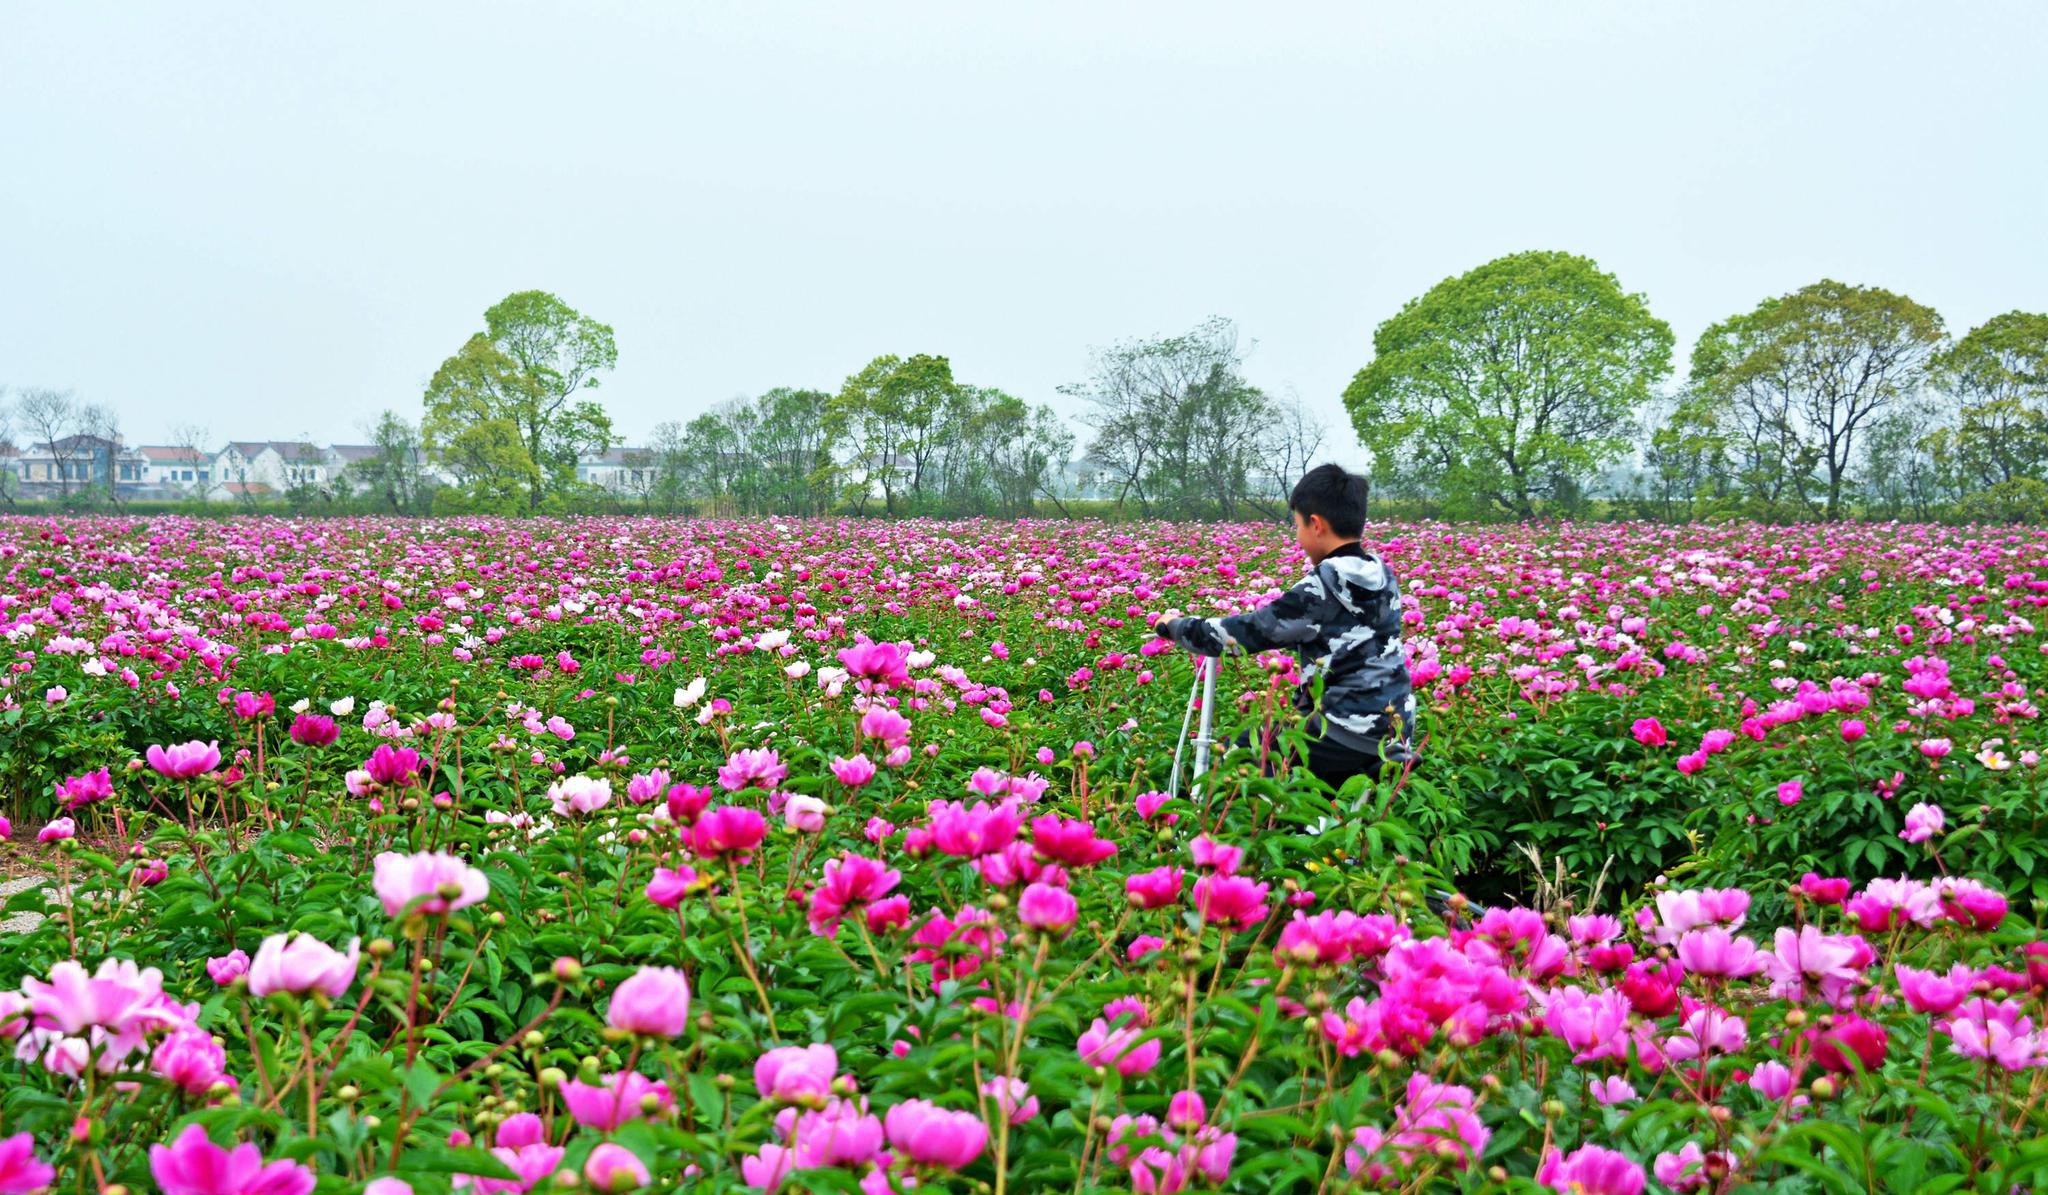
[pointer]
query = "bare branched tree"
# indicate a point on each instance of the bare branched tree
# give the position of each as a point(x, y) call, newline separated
point(48, 416)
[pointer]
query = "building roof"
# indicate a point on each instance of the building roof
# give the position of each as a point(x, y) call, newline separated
point(166, 453)
point(255, 489)
point(291, 450)
point(354, 452)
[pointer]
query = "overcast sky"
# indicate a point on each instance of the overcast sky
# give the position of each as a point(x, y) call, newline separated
point(276, 219)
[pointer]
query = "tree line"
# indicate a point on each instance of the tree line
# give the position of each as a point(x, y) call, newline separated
point(1179, 432)
point(1531, 386)
point(1535, 385)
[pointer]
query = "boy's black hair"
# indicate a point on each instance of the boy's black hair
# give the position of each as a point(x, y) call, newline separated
point(1337, 495)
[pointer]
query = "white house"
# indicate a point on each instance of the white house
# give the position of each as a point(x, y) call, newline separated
point(172, 467)
point(620, 471)
point(264, 468)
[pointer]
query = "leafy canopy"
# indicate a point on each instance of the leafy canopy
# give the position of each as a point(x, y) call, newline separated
point(1510, 385)
point(499, 412)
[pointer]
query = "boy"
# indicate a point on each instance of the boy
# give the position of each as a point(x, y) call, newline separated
point(1344, 623)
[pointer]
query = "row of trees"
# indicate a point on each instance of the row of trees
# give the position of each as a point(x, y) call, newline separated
point(1535, 383)
point(1530, 386)
point(1180, 432)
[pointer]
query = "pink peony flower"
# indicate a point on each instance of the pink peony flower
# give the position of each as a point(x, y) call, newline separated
point(797, 1074)
point(1048, 908)
point(185, 760)
point(929, 1135)
point(615, 1100)
point(1102, 1046)
point(1068, 842)
point(314, 730)
point(300, 963)
point(670, 885)
point(1013, 1098)
point(1923, 821)
point(1590, 1170)
point(614, 1168)
point(439, 882)
point(194, 1165)
point(654, 1001)
point(228, 967)
point(855, 772)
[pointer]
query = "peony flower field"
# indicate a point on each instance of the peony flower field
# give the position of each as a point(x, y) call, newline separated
point(497, 855)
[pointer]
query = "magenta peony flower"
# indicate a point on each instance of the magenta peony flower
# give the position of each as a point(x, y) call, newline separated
point(1155, 889)
point(314, 730)
point(1101, 1045)
point(194, 1165)
point(1048, 908)
point(393, 767)
point(228, 967)
point(89, 789)
point(1231, 901)
point(1649, 732)
point(1072, 843)
point(20, 1170)
point(189, 1058)
point(1850, 1037)
point(438, 881)
point(728, 830)
point(1591, 1170)
point(670, 885)
point(185, 760)
point(654, 1001)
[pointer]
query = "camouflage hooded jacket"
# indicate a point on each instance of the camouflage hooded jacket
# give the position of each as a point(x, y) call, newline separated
point(1343, 621)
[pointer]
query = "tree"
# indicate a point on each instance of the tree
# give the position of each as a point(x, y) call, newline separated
point(1686, 460)
point(669, 448)
point(1178, 429)
point(1026, 450)
point(890, 415)
point(191, 439)
point(1998, 376)
point(51, 416)
point(391, 475)
point(1804, 375)
point(1510, 385)
point(535, 354)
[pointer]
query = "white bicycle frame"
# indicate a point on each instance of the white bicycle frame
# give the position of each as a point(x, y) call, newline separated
point(1204, 690)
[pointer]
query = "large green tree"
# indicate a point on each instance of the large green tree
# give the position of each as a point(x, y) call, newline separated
point(502, 412)
point(891, 416)
point(1510, 386)
point(1802, 380)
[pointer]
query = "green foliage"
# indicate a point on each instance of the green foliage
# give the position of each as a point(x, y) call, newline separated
point(1799, 380)
point(1509, 386)
point(498, 412)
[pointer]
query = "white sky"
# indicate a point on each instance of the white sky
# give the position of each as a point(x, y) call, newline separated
point(277, 219)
